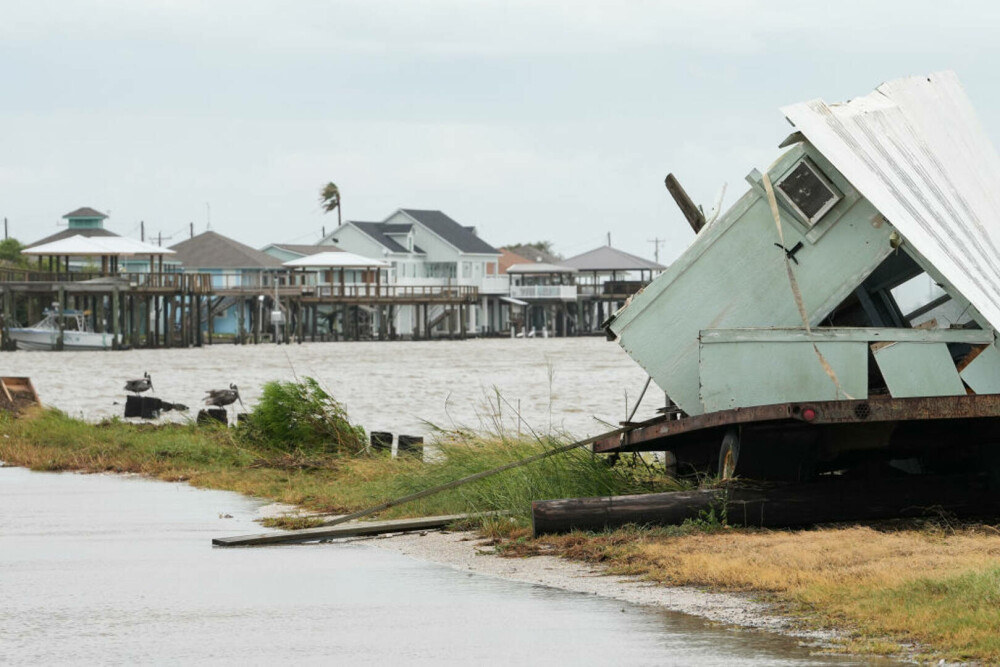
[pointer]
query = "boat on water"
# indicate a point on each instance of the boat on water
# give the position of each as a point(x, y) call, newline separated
point(77, 334)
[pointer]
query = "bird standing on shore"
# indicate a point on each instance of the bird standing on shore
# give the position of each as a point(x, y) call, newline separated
point(223, 397)
point(139, 386)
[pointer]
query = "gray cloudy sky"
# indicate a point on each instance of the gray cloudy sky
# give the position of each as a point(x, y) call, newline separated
point(529, 119)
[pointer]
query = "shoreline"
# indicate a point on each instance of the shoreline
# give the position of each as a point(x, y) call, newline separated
point(465, 551)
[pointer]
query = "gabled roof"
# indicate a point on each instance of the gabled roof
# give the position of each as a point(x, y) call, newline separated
point(540, 267)
point(211, 250)
point(463, 238)
point(607, 258)
point(509, 259)
point(337, 259)
point(379, 231)
point(85, 212)
point(66, 233)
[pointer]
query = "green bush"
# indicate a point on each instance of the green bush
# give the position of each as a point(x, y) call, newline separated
point(302, 416)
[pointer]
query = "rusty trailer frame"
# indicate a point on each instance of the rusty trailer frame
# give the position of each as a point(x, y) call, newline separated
point(832, 432)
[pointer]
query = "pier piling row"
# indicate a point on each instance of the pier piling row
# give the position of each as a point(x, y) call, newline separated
point(157, 310)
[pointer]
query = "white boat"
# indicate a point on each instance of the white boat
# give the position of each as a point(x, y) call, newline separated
point(77, 335)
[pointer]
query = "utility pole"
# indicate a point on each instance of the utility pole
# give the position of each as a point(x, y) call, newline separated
point(657, 242)
point(609, 239)
point(191, 229)
point(5, 227)
point(159, 239)
point(142, 230)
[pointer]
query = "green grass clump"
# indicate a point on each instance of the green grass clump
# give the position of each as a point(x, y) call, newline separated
point(576, 473)
point(302, 417)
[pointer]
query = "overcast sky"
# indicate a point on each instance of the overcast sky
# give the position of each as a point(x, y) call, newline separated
point(532, 120)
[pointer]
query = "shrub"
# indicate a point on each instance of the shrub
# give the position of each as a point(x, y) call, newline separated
point(302, 416)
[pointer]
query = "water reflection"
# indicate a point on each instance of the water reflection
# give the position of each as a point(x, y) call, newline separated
point(96, 568)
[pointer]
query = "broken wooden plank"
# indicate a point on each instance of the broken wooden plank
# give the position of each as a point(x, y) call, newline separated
point(358, 529)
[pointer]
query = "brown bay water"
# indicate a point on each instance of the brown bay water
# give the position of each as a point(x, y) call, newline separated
point(566, 383)
point(99, 569)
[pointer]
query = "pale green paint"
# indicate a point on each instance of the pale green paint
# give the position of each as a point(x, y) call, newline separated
point(847, 334)
point(86, 223)
point(919, 369)
point(733, 276)
point(743, 374)
point(983, 374)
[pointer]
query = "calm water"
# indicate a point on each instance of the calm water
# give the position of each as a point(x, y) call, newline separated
point(112, 570)
point(568, 383)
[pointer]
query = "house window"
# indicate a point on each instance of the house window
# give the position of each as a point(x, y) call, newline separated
point(808, 191)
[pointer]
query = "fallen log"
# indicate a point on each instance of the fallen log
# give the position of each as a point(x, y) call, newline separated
point(776, 506)
point(358, 529)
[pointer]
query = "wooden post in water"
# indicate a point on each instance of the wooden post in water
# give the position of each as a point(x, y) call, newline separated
point(5, 344)
point(133, 320)
point(197, 319)
point(61, 323)
point(298, 320)
point(115, 322)
point(242, 305)
point(168, 327)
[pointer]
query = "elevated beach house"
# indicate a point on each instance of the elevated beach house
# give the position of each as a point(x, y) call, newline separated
point(430, 253)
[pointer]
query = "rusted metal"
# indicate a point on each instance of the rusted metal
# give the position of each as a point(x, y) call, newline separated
point(650, 435)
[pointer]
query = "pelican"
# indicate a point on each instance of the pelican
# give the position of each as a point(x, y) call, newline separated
point(223, 397)
point(139, 386)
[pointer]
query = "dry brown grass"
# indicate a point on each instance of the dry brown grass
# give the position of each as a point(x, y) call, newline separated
point(927, 583)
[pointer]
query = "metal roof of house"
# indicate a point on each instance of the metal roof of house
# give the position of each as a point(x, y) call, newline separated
point(917, 151)
point(607, 258)
point(211, 250)
point(306, 249)
point(67, 233)
point(97, 246)
point(85, 212)
point(540, 267)
point(463, 238)
point(336, 259)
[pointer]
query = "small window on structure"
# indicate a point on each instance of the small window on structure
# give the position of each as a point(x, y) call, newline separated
point(808, 191)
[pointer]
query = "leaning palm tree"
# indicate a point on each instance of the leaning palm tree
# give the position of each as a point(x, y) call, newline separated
point(329, 197)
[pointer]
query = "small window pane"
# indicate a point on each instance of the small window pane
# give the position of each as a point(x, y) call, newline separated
point(807, 191)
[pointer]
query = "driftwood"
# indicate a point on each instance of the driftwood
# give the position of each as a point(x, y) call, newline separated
point(831, 500)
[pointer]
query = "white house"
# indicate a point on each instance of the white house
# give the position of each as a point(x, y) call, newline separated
point(429, 250)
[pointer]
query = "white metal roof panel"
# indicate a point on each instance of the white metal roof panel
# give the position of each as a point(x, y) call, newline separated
point(336, 259)
point(917, 151)
point(83, 246)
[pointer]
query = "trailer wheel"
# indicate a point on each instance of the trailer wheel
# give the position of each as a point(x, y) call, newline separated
point(729, 453)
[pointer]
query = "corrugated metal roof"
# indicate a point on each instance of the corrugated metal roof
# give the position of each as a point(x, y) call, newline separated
point(916, 150)
point(302, 249)
point(96, 246)
point(540, 267)
point(336, 259)
point(463, 238)
point(607, 258)
point(67, 233)
point(211, 250)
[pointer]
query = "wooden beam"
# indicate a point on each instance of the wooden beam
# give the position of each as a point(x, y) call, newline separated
point(328, 533)
point(691, 212)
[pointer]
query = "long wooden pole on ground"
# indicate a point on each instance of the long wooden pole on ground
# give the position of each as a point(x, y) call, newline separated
point(381, 507)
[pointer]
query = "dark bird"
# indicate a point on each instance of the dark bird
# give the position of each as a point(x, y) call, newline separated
point(139, 386)
point(223, 397)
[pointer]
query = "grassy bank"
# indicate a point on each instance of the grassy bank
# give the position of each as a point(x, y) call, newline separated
point(322, 481)
point(934, 583)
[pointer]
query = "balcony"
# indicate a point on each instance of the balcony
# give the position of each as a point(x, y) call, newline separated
point(544, 292)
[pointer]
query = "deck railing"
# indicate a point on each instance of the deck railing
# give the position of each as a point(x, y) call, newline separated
point(198, 283)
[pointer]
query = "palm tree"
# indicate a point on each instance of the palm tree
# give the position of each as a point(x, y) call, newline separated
point(329, 197)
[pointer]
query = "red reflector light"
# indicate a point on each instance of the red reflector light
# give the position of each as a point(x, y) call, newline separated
point(809, 414)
